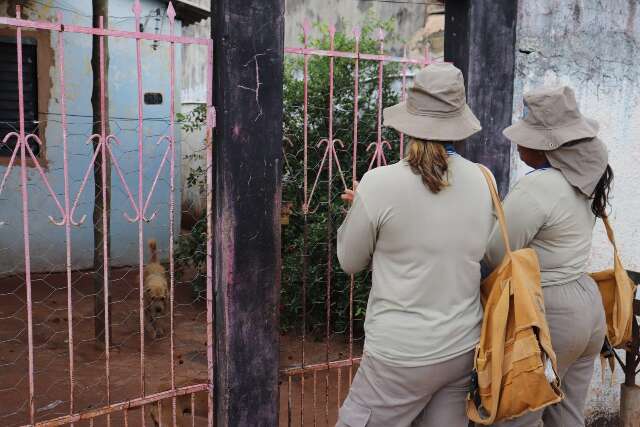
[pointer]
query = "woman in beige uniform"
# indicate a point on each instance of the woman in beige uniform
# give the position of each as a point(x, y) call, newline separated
point(422, 224)
point(553, 210)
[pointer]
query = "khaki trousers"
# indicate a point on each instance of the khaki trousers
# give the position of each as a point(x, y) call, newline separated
point(577, 325)
point(424, 396)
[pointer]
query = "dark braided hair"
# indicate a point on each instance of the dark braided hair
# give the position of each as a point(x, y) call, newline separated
point(600, 196)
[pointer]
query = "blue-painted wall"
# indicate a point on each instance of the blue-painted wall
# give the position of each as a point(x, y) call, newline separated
point(47, 240)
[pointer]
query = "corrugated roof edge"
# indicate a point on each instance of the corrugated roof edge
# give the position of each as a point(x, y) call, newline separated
point(189, 11)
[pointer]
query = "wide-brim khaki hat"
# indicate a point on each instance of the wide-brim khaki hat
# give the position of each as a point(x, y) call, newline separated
point(436, 108)
point(551, 119)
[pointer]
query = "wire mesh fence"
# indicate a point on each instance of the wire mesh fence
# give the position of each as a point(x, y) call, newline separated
point(336, 87)
point(59, 364)
point(100, 323)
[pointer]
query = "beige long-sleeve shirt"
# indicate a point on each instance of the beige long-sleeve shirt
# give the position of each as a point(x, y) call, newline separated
point(424, 250)
point(544, 212)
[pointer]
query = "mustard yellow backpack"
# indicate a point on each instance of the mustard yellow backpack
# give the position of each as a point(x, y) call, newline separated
point(618, 292)
point(509, 376)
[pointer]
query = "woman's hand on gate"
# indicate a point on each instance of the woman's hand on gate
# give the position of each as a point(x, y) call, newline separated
point(349, 194)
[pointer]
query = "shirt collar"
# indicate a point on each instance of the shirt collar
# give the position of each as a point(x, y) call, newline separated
point(546, 165)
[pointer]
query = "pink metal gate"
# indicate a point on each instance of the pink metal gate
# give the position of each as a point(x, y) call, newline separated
point(297, 407)
point(115, 409)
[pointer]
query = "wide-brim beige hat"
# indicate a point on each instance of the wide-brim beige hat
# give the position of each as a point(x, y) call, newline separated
point(436, 108)
point(551, 119)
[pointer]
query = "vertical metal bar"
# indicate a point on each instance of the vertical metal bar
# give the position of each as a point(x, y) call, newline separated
point(305, 211)
point(209, 148)
point(67, 210)
point(315, 398)
point(356, 107)
point(403, 97)
point(339, 394)
point(306, 28)
point(137, 10)
point(126, 418)
point(354, 179)
point(25, 218)
point(172, 204)
point(632, 356)
point(193, 410)
point(105, 221)
point(379, 152)
point(332, 32)
point(289, 403)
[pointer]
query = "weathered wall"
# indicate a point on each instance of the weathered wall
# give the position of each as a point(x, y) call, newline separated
point(593, 46)
point(411, 19)
point(46, 238)
point(194, 93)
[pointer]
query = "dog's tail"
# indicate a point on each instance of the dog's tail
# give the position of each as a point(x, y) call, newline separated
point(153, 247)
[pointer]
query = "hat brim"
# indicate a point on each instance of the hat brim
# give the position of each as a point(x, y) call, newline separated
point(525, 135)
point(430, 128)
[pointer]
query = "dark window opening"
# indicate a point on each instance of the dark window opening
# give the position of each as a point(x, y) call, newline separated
point(9, 106)
point(153, 98)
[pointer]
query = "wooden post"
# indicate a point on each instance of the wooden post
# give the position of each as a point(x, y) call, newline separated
point(629, 390)
point(101, 227)
point(480, 39)
point(248, 72)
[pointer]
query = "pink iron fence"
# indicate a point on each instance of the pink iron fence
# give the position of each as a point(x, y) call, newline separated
point(115, 410)
point(307, 399)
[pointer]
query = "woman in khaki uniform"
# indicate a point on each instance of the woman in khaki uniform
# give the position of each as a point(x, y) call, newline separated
point(553, 210)
point(422, 224)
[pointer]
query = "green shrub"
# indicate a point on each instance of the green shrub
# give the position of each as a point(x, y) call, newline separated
point(314, 238)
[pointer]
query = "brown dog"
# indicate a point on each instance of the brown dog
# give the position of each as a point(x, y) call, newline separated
point(156, 293)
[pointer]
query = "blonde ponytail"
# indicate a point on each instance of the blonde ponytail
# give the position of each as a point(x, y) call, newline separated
point(430, 161)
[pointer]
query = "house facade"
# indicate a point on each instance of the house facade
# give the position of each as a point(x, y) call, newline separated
point(42, 115)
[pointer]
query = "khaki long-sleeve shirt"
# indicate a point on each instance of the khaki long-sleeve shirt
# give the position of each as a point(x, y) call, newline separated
point(424, 250)
point(544, 212)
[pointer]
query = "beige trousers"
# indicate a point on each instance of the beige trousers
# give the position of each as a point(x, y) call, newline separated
point(577, 325)
point(424, 396)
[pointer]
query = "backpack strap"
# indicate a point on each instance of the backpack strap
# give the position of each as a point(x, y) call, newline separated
point(617, 262)
point(488, 415)
point(610, 234)
point(621, 278)
point(497, 204)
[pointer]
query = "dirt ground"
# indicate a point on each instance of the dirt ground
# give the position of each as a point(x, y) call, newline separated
point(51, 354)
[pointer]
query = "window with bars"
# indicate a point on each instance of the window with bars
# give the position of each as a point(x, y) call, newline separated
point(9, 106)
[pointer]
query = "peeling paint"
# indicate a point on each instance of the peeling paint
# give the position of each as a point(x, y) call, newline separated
point(593, 46)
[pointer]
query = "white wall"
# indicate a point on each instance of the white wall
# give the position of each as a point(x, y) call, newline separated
point(593, 46)
point(194, 92)
point(410, 17)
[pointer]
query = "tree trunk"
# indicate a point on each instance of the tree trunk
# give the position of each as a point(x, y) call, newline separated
point(102, 203)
